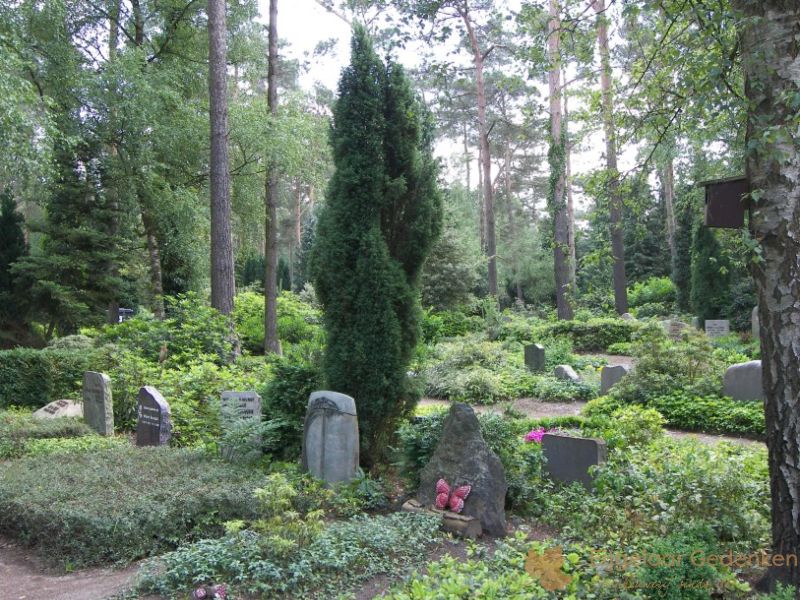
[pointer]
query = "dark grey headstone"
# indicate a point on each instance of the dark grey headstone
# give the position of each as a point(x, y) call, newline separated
point(570, 458)
point(462, 457)
point(98, 407)
point(743, 381)
point(330, 437)
point(610, 375)
point(153, 424)
point(241, 409)
point(60, 408)
point(534, 357)
point(567, 373)
point(717, 328)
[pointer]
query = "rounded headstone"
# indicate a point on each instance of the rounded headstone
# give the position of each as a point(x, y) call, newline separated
point(567, 373)
point(153, 423)
point(743, 381)
point(610, 376)
point(330, 437)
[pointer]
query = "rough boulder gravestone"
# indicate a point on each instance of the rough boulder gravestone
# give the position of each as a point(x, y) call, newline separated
point(60, 408)
point(330, 437)
point(98, 408)
point(743, 381)
point(534, 358)
point(567, 373)
point(153, 425)
point(570, 458)
point(610, 376)
point(462, 457)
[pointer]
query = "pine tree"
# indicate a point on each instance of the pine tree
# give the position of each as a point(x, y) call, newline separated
point(383, 214)
point(710, 293)
point(12, 248)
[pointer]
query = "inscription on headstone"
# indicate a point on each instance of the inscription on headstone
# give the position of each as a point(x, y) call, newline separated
point(98, 409)
point(534, 357)
point(717, 328)
point(241, 409)
point(153, 425)
point(330, 437)
point(59, 408)
point(570, 458)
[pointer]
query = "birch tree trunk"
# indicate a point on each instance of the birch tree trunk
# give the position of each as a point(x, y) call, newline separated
point(771, 60)
point(271, 342)
point(573, 263)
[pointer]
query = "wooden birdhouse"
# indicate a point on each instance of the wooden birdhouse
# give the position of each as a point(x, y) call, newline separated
point(726, 202)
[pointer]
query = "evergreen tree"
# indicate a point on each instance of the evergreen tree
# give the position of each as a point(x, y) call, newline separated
point(682, 265)
point(710, 293)
point(12, 248)
point(382, 216)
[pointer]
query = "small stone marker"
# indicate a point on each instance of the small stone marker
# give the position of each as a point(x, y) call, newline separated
point(534, 357)
point(743, 381)
point(569, 458)
point(60, 408)
point(567, 373)
point(153, 425)
point(469, 527)
point(98, 407)
point(696, 322)
point(717, 328)
point(755, 323)
point(627, 317)
point(330, 438)
point(237, 408)
point(610, 375)
point(674, 328)
point(463, 457)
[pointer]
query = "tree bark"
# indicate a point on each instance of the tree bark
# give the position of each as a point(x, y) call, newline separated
point(771, 57)
point(615, 200)
point(668, 183)
point(154, 254)
point(467, 160)
point(271, 342)
point(113, 196)
point(557, 176)
point(573, 263)
point(512, 224)
point(222, 274)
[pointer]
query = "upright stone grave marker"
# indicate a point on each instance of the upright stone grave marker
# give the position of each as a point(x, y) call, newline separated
point(742, 381)
point(153, 425)
point(674, 328)
point(240, 407)
point(534, 358)
point(330, 437)
point(569, 458)
point(717, 328)
point(610, 375)
point(59, 408)
point(98, 407)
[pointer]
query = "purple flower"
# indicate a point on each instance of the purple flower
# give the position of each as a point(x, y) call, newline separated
point(536, 435)
point(200, 594)
point(220, 592)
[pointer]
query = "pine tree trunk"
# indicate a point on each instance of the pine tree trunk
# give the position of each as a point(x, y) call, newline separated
point(772, 79)
point(154, 254)
point(222, 275)
point(668, 182)
point(573, 263)
point(113, 196)
point(558, 200)
point(615, 199)
point(467, 160)
point(271, 342)
point(512, 224)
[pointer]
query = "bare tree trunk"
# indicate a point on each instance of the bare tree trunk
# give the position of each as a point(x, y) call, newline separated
point(615, 200)
point(512, 224)
point(557, 177)
point(154, 253)
point(113, 196)
point(773, 167)
point(668, 183)
point(222, 278)
point(271, 342)
point(573, 263)
point(482, 205)
point(478, 58)
point(467, 159)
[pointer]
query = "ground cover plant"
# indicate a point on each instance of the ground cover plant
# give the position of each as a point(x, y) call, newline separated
point(19, 429)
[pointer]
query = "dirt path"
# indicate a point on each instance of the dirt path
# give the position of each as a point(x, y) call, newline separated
point(23, 576)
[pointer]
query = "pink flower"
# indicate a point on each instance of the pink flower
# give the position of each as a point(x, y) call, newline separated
point(535, 435)
point(200, 594)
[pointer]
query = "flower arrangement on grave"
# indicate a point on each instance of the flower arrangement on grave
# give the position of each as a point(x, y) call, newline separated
point(536, 435)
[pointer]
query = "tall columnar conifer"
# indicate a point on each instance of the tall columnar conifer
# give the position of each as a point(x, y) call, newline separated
point(710, 276)
point(12, 248)
point(384, 213)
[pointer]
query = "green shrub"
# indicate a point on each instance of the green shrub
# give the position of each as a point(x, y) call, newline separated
point(621, 348)
point(86, 443)
point(18, 428)
point(447, 324)
point(121, 503)
point(632, 426)
point(712, 414)
point(659, 290)
point(594, 335)
point(653, 309)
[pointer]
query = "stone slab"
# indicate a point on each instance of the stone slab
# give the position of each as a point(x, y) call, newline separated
point(153, 423)
point(743, 381)
point(610, 376)
point(568, 459)
point(674, 328)
point(98, 404)
point(717, 327)
point(330, 437)
point(534, 358)
point(60, 408)
point(567, 373)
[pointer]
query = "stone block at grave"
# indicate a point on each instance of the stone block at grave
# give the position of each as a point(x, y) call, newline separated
point(60, 408)
point(717, 327)
point(743, 381)
point(627, 317)
point(567, 373)
point(98, 407)
point(241, 409)
point(461, 458)
point(534, 358)
point(153, 423)
point(610, 376)
point(330, 437)
point(755, 324)
point(674, 328)
point(569, 459)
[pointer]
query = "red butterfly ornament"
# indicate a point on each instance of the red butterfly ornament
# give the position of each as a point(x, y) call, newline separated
point(454, 500)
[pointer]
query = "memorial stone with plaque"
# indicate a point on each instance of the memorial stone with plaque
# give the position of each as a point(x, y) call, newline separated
point(717, 328)
point(153, 424)
point(98, 409)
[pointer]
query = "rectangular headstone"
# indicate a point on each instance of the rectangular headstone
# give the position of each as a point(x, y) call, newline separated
point(570, 458)
point(718, 328)
point(534, 358)
point(674, 328)
point(153, 425)
point(98, 409)
point(240, 408)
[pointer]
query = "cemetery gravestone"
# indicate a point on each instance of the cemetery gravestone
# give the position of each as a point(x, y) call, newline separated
point(534, 358)
point(153, 425)
point(627, 317)
point(567, 373)
point(570, 458)
point(743, 381)
point(610, 375)
point(60, 408)
point(674, 328)
point(98, 409)
point(238, 408)
point(717, 328)
point(330, 437)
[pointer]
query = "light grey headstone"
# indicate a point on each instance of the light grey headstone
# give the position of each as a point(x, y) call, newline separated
point(60, 408)
point(696, 322)
point(153, 423)
point(534, 357)
point(568, 459)
point(674, 328)
point(566, 372)
point(717, 328)
point(610, 375)
point(627, 317)
point(755, 323)
point(743, 381)
point(330, 437)
point(98, 407)
point(240, 408)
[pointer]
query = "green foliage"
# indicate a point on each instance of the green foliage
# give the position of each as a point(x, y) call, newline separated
point(710, 276)
point(712, 414)
point(449, 323)
point(594, 335)
point(12, 249)
point(383, 215)
point(655, 290)
point(18, 428)
point(297, 320)
point(68, 445)
point(682, 262)
point(120, 503)
point(629, 426)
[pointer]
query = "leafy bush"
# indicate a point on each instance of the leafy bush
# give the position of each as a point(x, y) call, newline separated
point(621, 348)
point(594, 335)
point(632, 426)
point(86, 443)
point(448, 323)
point(712, 414)
point(120, 503)
point(296, 320)
point(653, 309)
point(72, 342)
point(18, 428)
point(658, 290)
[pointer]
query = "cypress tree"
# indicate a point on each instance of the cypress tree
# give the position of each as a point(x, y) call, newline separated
point(682, 264)
point(710, 276)
point(12, 248)
point(382, 216)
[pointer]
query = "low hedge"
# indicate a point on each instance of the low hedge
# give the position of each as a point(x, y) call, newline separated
point(121, 503)
point(593, 335)
point(17, 428)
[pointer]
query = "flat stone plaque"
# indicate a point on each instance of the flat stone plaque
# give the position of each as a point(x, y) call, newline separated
point(60, 408)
